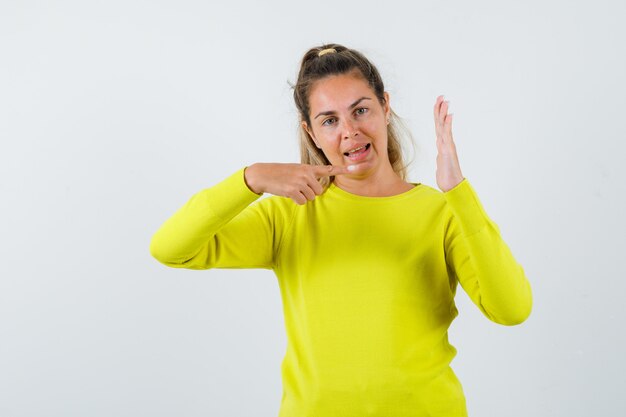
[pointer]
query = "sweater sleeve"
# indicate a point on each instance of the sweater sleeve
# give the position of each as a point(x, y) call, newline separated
point(482, 262)
point(220, 227)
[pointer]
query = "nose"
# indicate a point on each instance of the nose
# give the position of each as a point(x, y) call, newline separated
point(349, 129)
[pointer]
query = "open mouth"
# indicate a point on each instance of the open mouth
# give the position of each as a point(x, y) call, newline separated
point(360, 151)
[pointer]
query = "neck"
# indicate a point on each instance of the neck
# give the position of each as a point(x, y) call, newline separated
point(381, 183)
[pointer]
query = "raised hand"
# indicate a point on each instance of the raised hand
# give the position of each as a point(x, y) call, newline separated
point(296, 181)
point(448, 169)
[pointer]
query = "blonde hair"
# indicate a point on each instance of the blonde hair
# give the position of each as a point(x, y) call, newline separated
point(315, 66)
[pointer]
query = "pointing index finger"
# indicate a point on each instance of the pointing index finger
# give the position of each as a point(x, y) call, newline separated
point(329, 170)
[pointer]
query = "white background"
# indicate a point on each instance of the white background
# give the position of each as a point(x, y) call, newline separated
point(112, 114)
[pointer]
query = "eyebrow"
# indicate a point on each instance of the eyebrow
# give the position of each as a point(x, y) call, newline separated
point(326, 113)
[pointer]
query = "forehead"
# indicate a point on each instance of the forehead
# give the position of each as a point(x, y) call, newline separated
point(338, 91)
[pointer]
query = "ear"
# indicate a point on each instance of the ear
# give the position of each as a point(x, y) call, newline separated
point(310, 132)
point(387, 107)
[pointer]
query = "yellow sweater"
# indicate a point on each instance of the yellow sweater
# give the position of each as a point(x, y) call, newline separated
point(367, 285)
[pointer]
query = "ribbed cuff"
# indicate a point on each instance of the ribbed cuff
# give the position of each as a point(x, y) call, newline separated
point(466, 207)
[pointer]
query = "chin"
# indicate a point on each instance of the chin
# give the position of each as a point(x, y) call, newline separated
point(364, 169)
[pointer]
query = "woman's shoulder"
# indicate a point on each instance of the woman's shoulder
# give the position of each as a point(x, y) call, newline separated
point(427, 189)
point(275, 205)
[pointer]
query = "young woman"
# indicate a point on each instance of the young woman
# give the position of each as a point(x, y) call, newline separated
point(367, 262)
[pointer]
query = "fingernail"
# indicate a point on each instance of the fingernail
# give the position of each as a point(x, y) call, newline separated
point(351, 167)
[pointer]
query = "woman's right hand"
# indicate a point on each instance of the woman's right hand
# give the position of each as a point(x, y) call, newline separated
point(296, 181)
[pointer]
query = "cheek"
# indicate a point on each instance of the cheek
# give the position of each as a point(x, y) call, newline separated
point(376, 128)
point(328, 141)
point(374, 121)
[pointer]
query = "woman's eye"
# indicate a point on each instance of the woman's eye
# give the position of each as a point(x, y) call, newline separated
point(327, 120)
point(361, 108)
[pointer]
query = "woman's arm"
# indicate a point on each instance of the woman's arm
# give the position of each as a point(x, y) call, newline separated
point(475, 251)
point(219, 227)
point(483, 263)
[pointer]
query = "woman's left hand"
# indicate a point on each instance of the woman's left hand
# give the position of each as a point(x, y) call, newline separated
point(448, 169)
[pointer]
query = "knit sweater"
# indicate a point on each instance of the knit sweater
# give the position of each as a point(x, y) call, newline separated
point(367, 287)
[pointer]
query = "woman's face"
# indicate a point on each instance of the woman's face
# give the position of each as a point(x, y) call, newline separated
point(346, 115)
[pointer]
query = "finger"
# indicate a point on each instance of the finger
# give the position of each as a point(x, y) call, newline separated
point(449, 126)
point(329, 170)
point(308, 193)
point(443, 112)
point(436, 107)
point(449, 122)
point(446, 136)
point(299, 198)
point(316, 186)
